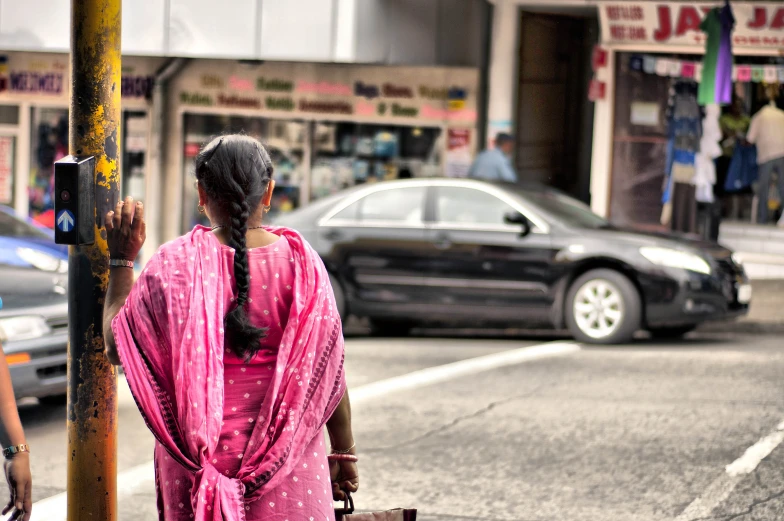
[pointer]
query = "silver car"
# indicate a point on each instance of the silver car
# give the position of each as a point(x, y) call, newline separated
point(34, 314)
point(34, 331)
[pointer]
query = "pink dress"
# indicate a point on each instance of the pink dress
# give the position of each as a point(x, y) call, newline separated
point(306, 492)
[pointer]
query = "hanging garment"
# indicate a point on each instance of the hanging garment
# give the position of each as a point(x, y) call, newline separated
point(684, 208)
point(716, 81)
point(704, 178)
point(685, 130)
point(705, 169)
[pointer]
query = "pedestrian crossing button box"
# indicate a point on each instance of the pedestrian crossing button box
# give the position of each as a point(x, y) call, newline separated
point(74, 200)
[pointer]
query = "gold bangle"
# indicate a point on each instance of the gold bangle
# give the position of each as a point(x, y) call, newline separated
point(347, 451)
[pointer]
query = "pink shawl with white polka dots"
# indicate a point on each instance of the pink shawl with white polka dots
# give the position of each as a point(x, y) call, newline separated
point(170, 339)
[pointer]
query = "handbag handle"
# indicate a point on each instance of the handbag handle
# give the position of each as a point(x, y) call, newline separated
point(348, 503)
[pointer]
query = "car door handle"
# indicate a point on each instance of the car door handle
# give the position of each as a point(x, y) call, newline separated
point(442, 243)
point(332, 235)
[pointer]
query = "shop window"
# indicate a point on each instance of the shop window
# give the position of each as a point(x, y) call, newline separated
point(134, 158)
point(7, 158)
point(346, 154)
point(9, 114)
point(283, 139)
point(48, 143)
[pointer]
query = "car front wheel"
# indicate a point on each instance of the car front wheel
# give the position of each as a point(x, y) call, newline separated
point(390, 328)
point(340, 298)
point(603, 307)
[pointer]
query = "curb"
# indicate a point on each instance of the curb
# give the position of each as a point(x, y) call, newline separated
point(748, 327)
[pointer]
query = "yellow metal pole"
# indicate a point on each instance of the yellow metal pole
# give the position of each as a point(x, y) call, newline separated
point(94, 130)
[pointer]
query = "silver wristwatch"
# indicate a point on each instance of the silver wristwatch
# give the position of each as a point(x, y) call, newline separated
point(120, 263)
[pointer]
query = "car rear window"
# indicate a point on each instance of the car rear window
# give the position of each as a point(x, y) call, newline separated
point(395, 205)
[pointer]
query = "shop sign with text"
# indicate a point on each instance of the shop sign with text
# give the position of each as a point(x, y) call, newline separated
point(757, 24)
point(401, 93)
point(39, 74)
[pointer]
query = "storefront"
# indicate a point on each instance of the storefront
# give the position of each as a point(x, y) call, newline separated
point(326, 126)
point(34, 98)
point(654, 51)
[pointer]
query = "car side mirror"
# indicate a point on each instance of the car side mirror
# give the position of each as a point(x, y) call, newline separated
point(519, 219)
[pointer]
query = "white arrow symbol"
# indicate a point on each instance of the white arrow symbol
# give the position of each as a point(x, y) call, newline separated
point(65, 221)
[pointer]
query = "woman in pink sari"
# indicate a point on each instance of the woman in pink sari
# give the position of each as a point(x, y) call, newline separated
point(233, 349)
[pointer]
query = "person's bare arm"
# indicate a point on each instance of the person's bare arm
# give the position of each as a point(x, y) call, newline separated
point(120, 284)
point(17, 469)
point(345, 474)
point(339, 425)
point(125, 232)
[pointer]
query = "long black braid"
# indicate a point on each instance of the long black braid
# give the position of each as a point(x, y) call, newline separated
point(235, 171)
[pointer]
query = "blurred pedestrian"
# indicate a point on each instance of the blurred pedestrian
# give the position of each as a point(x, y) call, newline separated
point(494, 164)
point(16, 451)
point(766, 131)
point(233, 348)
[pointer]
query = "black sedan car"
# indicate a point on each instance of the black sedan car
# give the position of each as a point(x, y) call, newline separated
point(458, 251)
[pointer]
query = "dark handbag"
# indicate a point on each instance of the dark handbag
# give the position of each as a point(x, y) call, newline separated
point(347, 513)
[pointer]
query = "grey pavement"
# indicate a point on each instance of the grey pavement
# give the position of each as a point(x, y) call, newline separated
point(624, 433)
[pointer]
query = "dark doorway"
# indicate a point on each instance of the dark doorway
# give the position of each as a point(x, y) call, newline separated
point(554, 117)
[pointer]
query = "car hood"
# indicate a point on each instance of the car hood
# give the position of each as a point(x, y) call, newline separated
point(10, 254)
point(28, 288)
point(636, 238)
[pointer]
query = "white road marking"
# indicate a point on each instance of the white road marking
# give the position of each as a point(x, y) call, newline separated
point(722, 487)
point(441, 373)
point(141, 477)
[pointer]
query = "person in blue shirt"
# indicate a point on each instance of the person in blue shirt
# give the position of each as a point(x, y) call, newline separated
point(494, 164)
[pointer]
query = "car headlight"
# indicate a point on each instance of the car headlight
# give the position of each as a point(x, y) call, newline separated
point(42, 261)
point(22, 328)
point(676, 259)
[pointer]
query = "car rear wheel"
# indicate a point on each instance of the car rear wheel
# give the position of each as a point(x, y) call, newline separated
point(671, 332)
point(55, 399)
point(390, 328)
point(340, 298)
point(603, 307)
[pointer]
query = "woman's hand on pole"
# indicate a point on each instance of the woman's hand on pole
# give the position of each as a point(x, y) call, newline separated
point(126, 230)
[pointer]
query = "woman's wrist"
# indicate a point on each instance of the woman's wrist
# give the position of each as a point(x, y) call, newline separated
point(13, 451)
point(351, 449)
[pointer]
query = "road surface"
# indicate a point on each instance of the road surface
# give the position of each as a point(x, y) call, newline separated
point(527, 430)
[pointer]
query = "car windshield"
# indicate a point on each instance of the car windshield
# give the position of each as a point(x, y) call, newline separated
point(566, 209)
point(10, 226)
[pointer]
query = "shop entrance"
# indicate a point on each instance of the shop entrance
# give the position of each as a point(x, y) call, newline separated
point(554, 117)
point(9, 131)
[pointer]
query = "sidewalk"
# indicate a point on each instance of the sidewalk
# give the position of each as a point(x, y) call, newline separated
point(766, 315)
